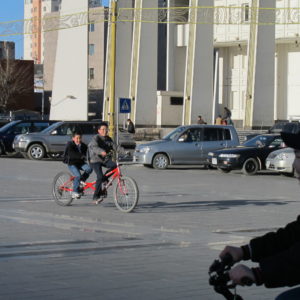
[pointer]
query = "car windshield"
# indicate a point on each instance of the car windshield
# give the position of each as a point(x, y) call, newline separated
point(259, 141)
point(50, 128)
point(173, 134)
point(9, 125)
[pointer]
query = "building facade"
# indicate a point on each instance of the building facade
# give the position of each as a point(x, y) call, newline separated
point(240, 54)
point(34, 15)
point(75, 61)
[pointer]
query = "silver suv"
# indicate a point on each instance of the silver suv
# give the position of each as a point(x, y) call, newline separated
point(186, 145)
point(52, 141)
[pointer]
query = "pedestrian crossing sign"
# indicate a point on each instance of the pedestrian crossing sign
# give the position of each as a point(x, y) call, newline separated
point(125, 105)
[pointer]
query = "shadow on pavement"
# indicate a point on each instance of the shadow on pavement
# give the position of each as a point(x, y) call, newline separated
point(158, 207)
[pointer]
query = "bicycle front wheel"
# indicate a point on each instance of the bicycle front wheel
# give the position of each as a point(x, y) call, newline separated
point(126, 194)
point(62, 188)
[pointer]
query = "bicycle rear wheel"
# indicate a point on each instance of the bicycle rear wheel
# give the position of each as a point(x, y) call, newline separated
point(62, 188)
point(126, 194)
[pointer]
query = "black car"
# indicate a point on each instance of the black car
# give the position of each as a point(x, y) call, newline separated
point(10, 130)
point(249, 157)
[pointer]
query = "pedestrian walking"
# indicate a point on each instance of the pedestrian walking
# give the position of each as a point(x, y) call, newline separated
point(130, 126)
point(200, 120)
point(227, 116)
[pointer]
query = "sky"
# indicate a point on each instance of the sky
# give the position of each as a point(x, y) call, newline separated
point(14, 10)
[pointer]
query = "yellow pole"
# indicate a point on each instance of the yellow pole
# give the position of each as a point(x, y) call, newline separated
point(111, 115)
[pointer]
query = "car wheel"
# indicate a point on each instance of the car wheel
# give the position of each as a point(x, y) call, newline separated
point(224, 170)
point(160, 161)
point(250, 166)
point(36, 152)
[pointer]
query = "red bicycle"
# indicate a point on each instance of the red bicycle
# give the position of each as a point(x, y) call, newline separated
point(126, 193)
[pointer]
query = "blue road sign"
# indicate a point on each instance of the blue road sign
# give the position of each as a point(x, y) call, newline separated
point(125, 105)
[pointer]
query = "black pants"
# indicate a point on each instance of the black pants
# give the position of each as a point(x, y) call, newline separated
point(97, 167)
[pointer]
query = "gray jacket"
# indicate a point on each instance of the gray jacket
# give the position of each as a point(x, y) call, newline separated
point(97, 145)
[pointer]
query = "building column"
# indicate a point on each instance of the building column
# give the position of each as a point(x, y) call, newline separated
point(198, 90)
point(123, 56)
point(171, 44)
point(70, 97)
point(143, 89)
point(261, 65)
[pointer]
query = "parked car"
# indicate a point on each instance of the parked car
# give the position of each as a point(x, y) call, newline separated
point(250, 157)
point(289, 126)
point(3, 122)
point(282, 161)
point(11, 129)
point(186, 145)
point(52, 141)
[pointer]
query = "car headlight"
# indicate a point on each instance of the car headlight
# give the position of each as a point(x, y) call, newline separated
point(145, 149)
point(282, 156)
point(224, 155)
point(210, 154)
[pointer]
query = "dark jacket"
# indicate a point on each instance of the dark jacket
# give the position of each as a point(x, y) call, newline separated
point(97, 145)
point(278, 254)
point(130, 127)
point(72, 154)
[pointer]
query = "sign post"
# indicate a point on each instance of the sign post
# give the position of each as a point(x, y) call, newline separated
point(124, 108)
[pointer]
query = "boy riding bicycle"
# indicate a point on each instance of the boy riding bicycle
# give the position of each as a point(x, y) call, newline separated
point(99, 148)
point(75, 158)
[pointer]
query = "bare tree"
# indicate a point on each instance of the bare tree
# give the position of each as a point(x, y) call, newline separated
point(15, 81)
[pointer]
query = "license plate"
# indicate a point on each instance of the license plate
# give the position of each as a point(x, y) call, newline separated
point(214, 161)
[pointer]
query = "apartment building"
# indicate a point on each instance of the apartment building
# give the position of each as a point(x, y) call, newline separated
point(34, 13)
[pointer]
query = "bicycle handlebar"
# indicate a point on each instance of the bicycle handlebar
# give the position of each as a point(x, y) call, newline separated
point(219, 277)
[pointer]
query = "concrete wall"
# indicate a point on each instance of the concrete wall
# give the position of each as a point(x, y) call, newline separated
point(146, 97)
point(70, 84)
point(167, 114)
point(202, 85)
point(265, 68)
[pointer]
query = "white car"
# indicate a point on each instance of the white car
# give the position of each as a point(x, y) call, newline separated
point(281, 161)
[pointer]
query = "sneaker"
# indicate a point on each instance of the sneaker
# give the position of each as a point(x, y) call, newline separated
point(99, 200)
point(75, 195)
point(82, 184)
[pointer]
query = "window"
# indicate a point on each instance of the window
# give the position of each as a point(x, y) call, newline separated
point(88, 128)
point(245, 12)
point(91, 73)
point(213, 134)
point(176, 101)
point(91, 49)
point(91, 27)
point(227, 134)
point(22, 128)
point(192, 135)
point(277, 142)
point(37, 126)
point(45, 8)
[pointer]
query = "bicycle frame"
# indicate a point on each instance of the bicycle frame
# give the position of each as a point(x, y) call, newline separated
point(113, 174)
